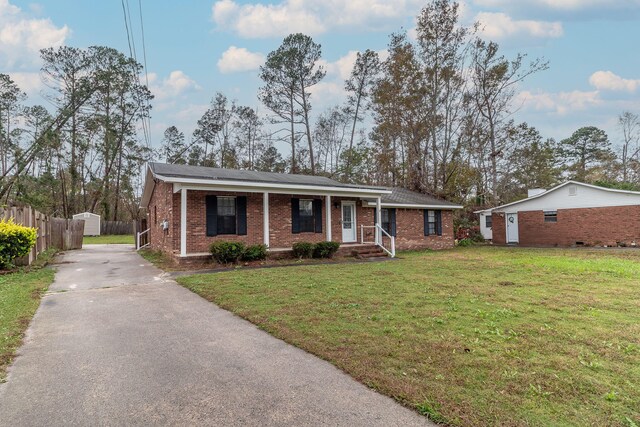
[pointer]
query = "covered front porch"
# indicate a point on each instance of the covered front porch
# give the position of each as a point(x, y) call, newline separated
point(276, 215)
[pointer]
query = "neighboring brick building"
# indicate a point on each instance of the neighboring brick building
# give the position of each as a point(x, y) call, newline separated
point(189, 207)
point(571, 214)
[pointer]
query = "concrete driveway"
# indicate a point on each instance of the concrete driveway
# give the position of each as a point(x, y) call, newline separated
point(115, 342)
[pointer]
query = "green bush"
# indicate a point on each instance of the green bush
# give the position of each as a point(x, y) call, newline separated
point(465, 242)
point(325, 249)
point(255, 253)
point(303, 249)
point(15, 241)
point(226, 252)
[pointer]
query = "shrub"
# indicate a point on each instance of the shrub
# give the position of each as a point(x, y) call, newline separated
point(325, 249)
point(15, 241)
point(255, 253)
point(465, 242)
point(226, 252)
point(303, 250)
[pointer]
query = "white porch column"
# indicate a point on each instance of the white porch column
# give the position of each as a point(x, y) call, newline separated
point(328, 215)
point(183, 222)
point(378, 220)
point(265, 218)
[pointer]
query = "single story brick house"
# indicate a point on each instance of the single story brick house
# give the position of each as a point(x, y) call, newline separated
point(189, 207)
point(571, 214)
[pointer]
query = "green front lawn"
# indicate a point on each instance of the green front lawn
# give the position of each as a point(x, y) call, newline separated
point(126, 239)
point(472, 336)
point(20, 294)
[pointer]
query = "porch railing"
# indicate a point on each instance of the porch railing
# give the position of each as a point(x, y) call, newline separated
point(379, 233)
point(142, 239)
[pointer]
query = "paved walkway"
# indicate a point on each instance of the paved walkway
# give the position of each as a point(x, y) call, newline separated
point(116, 342)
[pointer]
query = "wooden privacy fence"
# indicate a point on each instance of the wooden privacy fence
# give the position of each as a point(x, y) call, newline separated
point(27, 216)
point(60, 233)
point(117, 227)
point(67, 234)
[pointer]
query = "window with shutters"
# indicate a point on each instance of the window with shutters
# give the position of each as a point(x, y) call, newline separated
point(386, 220)
point(306, 216)
point(227, 215)
point(432, 225)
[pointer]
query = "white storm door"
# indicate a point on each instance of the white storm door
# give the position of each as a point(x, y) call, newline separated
point(349, 222)
point(512, 227)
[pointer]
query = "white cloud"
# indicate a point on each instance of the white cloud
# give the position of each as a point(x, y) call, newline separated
point(28, 82)
point(564, 5)
point(559, 102)
point(501, 26)
point(237, 59)
point(22, 37)
point(570, 10)
point(173, 86)
point(313, 17)
point(607, 80)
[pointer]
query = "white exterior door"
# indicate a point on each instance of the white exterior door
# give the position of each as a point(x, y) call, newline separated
point(512, 227)
point(349, 222)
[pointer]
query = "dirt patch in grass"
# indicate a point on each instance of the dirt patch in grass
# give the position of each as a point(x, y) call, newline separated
point(472, 336)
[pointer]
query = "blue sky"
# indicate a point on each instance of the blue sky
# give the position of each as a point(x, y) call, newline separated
point(196, 48)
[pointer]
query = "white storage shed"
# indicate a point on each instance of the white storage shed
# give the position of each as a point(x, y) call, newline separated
point(91, 223)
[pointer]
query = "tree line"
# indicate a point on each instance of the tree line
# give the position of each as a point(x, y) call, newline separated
point(436, 114)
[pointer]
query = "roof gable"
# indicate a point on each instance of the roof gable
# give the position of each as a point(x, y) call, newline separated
point(572, 195)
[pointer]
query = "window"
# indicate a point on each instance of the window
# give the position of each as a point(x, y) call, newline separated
point(550, 216)
point(431, 223)
point(488, 221)
point(386, 220)
point(306, 216)
point(226, 215)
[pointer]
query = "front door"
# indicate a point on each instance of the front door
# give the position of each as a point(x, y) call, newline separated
point(512, 227)
point(349, 222)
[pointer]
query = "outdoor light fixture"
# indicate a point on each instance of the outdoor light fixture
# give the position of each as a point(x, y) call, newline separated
point(335, 205)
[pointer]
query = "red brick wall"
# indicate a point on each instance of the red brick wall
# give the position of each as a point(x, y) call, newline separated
point(592, 226)
point(161, 208)
point(498, 228)
point(410, 231)
point(409, 222)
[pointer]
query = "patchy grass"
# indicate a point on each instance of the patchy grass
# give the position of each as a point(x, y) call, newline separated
point(159, 259)
point(114, 239)
point(471, 336)
point(20, 294)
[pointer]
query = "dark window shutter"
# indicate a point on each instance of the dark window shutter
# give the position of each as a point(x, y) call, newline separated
point(375, 216)
point(426, 221)
point(295, 215)
point(317, 213)
point(241, 215)
point(392, 221)
point(439, 223)
point(212, 215)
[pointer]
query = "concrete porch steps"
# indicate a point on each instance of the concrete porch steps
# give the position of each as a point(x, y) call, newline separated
point(361, 251)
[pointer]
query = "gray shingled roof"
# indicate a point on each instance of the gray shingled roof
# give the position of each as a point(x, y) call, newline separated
point(201, 172)
point(402, 196)
point(399, 196)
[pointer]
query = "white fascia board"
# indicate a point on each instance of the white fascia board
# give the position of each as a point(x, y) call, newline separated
point(564, 184)
point(149, 183)
point(177, 187)
point(484, 211)
point(410, 206)
point(259, 187)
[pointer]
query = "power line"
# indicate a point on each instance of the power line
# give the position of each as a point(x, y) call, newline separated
point(144, 58)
